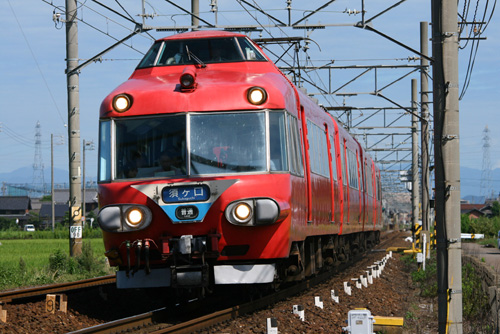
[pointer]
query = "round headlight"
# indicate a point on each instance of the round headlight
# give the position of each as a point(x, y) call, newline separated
point(122, 102)
point(256, 95)
point(242, 212)
point(134, 216)
point(187, 80)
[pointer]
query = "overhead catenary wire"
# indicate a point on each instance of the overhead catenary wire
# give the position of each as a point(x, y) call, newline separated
point(36, 62)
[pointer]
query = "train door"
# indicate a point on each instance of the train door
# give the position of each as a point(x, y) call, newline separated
point(332, 170)
point(308, 165)
point(347, 175)
point(337, 201)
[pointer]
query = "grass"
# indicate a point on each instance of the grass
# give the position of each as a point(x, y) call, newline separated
point(31, 262)
point(36, 252)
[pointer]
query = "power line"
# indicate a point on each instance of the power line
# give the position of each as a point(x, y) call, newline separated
point(36, 62)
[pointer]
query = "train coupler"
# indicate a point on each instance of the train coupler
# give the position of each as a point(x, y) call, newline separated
point(190, 276)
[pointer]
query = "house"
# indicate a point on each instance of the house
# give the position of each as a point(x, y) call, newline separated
point(475, 211)
point(60, 210)
point(61, 206)
point(16, 208)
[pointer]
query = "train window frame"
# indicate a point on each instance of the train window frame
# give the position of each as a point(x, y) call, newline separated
point(343, 162)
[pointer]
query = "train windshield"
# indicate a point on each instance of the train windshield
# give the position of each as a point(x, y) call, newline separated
point(193, 144)
point(205, 51)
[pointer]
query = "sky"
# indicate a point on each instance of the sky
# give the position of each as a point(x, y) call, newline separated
point(33, 81)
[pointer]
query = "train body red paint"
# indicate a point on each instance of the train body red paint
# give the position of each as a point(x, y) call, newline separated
point(218, 170)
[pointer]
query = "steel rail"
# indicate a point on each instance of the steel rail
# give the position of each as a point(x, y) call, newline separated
point(155, 317)
point(9, 296)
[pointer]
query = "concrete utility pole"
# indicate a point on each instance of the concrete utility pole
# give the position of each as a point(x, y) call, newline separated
point(52, 200)
point(424, 124)
point(415, 189)
point(72, 77)
point(447, 162)
point(195, 9)
point(86, 146)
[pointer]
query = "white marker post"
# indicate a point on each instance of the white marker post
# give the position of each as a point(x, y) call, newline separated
point(347, 288)
point(335, 298)
point(318, 302)
point(299, 310)
point(272, 326)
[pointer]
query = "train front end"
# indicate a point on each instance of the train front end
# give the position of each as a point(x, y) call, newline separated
point(194, 166)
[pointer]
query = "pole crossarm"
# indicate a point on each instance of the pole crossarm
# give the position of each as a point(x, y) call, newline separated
point(97, 56)
point(263, 12)
point(313, 12)
point(409, 110)
point(395, 41)
point(114, 11)
point(382, 12)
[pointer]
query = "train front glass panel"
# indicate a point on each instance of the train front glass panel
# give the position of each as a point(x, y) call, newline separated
point(193, 144)
point(208, 50)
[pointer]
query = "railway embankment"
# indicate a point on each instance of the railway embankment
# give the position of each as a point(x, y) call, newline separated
point(485, 262)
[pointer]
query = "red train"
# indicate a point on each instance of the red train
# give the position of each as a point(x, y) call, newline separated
point(215, 169)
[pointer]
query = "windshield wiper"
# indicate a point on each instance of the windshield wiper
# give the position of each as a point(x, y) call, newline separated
point(196, 59)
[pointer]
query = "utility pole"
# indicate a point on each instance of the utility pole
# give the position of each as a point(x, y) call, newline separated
point(424, 125)
point(195, 10)
point(415, 189)
point(72, 78)
point(52, 199)
point(90, 146)
point(447, 161)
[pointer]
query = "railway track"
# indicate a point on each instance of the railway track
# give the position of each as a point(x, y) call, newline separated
point(13, 295)
point(155, 321)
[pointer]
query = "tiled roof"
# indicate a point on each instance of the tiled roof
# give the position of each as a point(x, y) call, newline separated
point(15, 203)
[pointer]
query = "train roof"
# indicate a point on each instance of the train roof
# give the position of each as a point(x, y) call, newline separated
point(202, 34)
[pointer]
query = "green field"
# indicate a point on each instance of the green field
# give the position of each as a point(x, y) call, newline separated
point(34, 262)
point(36, 252)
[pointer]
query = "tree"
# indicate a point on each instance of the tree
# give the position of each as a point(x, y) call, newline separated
point(495, 209)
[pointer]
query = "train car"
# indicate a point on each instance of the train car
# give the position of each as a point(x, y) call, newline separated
point(214, 169)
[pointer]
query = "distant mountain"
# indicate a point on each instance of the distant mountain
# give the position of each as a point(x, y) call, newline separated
point(470, 182)
point(25, 175)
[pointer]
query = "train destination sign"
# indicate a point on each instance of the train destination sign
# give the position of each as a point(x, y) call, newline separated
point(180, 194)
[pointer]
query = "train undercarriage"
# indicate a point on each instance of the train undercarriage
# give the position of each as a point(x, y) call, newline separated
point(196, 272)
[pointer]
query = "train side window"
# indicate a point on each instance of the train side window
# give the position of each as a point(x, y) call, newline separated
point(295, 155)
point(277, 137)
point(312, 146)
point(150, 57)
point(318, 150)
point(379, 188)
point(343, 163)
point(298, 147)
point(105, 151)
point(325, 168)
point(334, 157)
point(353, 169)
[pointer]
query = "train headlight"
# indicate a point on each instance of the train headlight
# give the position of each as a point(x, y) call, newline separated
point(188, 79)
point(257, 95)
point(122, 102)
point(124, 218)
point(253, 212)
point(242, 212)
point(134, 217)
